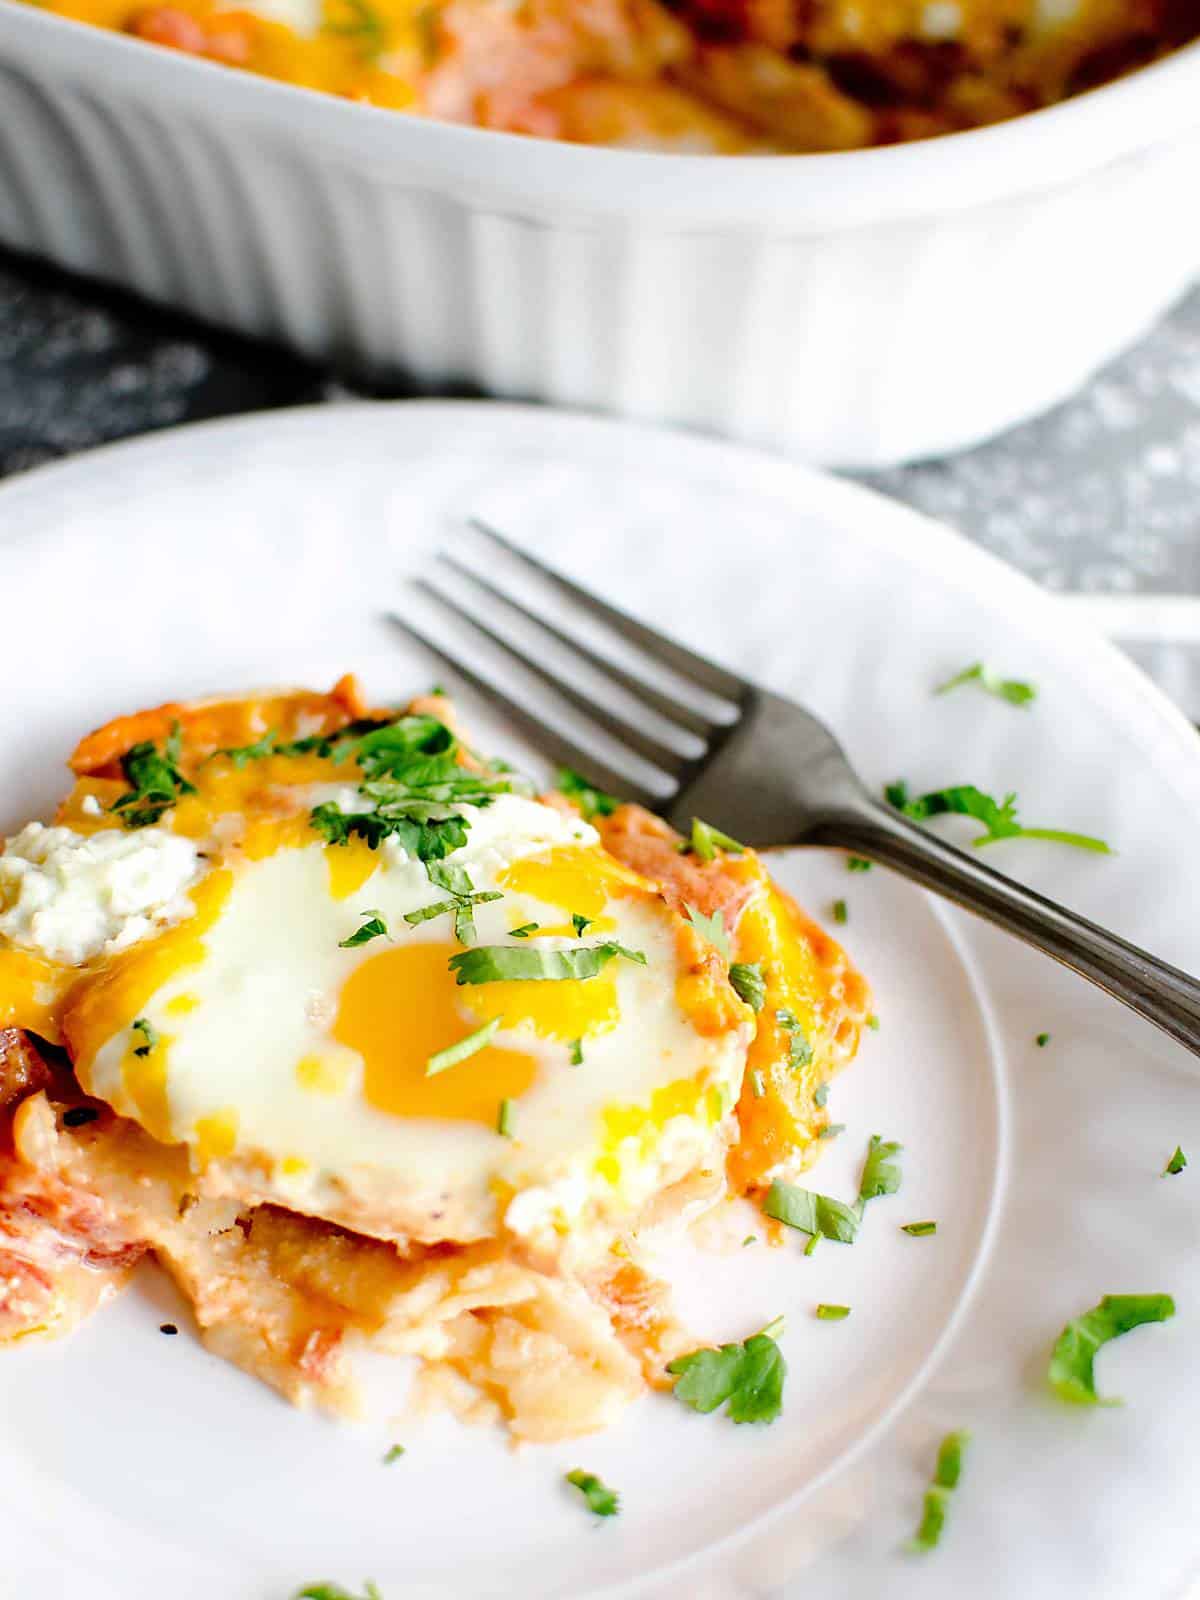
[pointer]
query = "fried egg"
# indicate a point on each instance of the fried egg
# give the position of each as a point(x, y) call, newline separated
point(286, 1007)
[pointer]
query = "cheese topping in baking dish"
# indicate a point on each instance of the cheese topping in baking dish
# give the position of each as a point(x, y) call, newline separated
point(313, 979)
point(723, 76)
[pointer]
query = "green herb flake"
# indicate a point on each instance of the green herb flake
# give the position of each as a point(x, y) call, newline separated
point(576, 1052)
point(799, 1050)
point(1071, 1373)
point(505, 963)
point(592, 802)
point(239, 755)
point(933, 1520)
point(707, 840)
point(362, 24)
point(840, 913)
point(873, 1023)
point(950, 1459)
point(1042, 1040)
point(810, 1212)
point(149, 1036)
point(880, 1174)
point(857, 864)
point(831, 1130)
point(463, 1050)
point(827, 1313)
point(393, 1454)
point(813, 1240)
point(999, 817)
point(711, 928)
point(749, 1377)
point(1013, 690)
point(919, 1230)
point(334, 1591)
point(1176, 1164)
point(821, 1095)
point(748, 980)
point(373, 928)
point(581, 924)
point(155, 781)
point(751, 1238)
point(505, 1118)
point(601, 1500)
point(523, 931)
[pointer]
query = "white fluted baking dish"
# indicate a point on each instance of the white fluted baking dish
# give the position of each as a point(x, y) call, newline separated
point(858, 308)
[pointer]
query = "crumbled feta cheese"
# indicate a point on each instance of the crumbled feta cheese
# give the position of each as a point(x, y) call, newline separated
point(73, 896)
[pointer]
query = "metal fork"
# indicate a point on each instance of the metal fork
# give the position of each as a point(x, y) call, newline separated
point(775, 775)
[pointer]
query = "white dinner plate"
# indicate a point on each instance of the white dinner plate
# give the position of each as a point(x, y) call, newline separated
point(267, 550)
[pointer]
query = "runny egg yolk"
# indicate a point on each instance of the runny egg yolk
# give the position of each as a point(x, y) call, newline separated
point(578, 879)
point(399, 1008)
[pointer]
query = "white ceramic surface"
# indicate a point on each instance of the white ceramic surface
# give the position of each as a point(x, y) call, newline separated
point(858, 308)
point(265, 549)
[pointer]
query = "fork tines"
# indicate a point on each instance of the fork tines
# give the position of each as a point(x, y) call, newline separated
point(661, 734)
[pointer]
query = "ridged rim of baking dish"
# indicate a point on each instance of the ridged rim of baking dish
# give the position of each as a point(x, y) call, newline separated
point(784, 194)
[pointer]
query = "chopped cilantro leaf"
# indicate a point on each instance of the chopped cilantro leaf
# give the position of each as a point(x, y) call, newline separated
point(592, 802)
point(840, 913)
point(505, 1118)
point(950, 1459)
point(711, 928)
point(373, 928)
point(873, 1023)
point(747, 978)
point(813, 1240)
point(999, 817)
point(363, 24)
point(831, 1130)
point(394, 1454)
point(502, 963)
point(523, 931)
point(155, 781)
point(821, 1095)
point(1071, 1374)
point(576, 1052)
point(601, 1500)
point(810, 1212)
point(918, 1229)
point(334, 1591)
point(1176, 1164)
point(707, 840)
point(857, 864)
point(1010, 689)
point(827, 1313)
point(240, 754)
point(463, 1050)
point(748, 1376)
point(933, 1520)
point(581, 924)
point(880, 1174)
point(1042, 1040)
point(799, 1049)
point(149, 1036)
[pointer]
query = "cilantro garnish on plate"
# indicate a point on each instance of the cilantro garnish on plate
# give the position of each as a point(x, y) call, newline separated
point(601, 1500)
point(999, 817)
point(154, 779)
point(1071, 1374)
point(711, 928)
point(810, 1212)
point(505, 963)
point(463, 1050)
point(1016, 692)
point(334, 1591)
point(748, 1377)
point(591, 801)
point(1176, 1164)
point(706, 841)
point(946, 1475)
point(373, 927)
point(747, 978)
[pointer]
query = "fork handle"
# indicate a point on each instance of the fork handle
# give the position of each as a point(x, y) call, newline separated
point(1162, 994)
